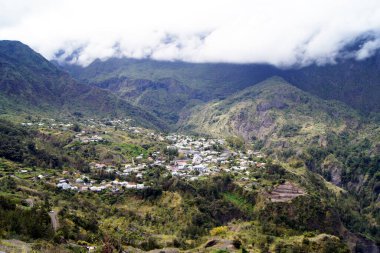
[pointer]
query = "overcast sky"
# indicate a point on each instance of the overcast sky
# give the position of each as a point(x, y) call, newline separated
point(282, 32)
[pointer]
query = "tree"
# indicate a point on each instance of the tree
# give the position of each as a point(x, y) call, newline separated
point(76, 128)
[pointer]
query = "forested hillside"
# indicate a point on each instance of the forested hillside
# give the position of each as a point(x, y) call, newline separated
point(29, 84)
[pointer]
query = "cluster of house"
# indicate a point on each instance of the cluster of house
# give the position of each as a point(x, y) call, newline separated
point(65, 124)
point(204, 157)
point(32, 124)
point(127, 170)
point(187, 157)
point(49, 123)
point(95, 128)
point(85, 184)
point(190, 159)
point(84, 137)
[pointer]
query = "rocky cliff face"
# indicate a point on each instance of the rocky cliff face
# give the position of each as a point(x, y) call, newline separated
point(332, 169)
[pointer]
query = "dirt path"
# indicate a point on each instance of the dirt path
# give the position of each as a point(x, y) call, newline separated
point(54, 220)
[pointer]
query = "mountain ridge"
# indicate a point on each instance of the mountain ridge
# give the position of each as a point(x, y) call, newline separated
point(31, 83)
point(273, 94)
point(357, 87)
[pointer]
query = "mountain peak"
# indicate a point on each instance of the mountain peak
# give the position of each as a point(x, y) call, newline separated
point(15, 48)
point(273, 81)
point(17, 54)
point(274, 85)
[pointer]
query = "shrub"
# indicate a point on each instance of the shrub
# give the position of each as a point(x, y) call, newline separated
point(218, 230)
point(149, 244)
point(236, 243)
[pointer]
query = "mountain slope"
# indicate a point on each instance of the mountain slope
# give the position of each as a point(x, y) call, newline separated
point(165, 97)
point(293, 126)
point(356, 83)
point(214, 80)
point(169, 88)
point(271, 109)
point(30, 83)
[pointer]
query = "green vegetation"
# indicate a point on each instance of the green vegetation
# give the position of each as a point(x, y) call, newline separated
point(173, 212)
point(169, 89)
point(32, 85)
point(354, 160)
point(24, 146)
point(299, 129)
point(77, 171)
point(19, 221)
point(150, 219)
point(145, 219)
point(239, 202)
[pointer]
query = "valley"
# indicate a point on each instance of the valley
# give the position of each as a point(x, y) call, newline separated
point(136, 186)
point(129, 155)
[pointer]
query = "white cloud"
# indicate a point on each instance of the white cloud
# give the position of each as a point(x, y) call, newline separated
point(280, 32)
point(368, 49)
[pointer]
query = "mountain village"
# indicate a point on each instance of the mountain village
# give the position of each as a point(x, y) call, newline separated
point(187, 157)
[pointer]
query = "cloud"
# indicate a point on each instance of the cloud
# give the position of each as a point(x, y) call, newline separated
point(279, 32)
point(368, 49)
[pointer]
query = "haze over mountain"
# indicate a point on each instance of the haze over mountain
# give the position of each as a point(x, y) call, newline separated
point(274, 32)
point(359, 87)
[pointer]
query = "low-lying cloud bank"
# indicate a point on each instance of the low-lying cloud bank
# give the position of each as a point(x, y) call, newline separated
point(282, 33)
